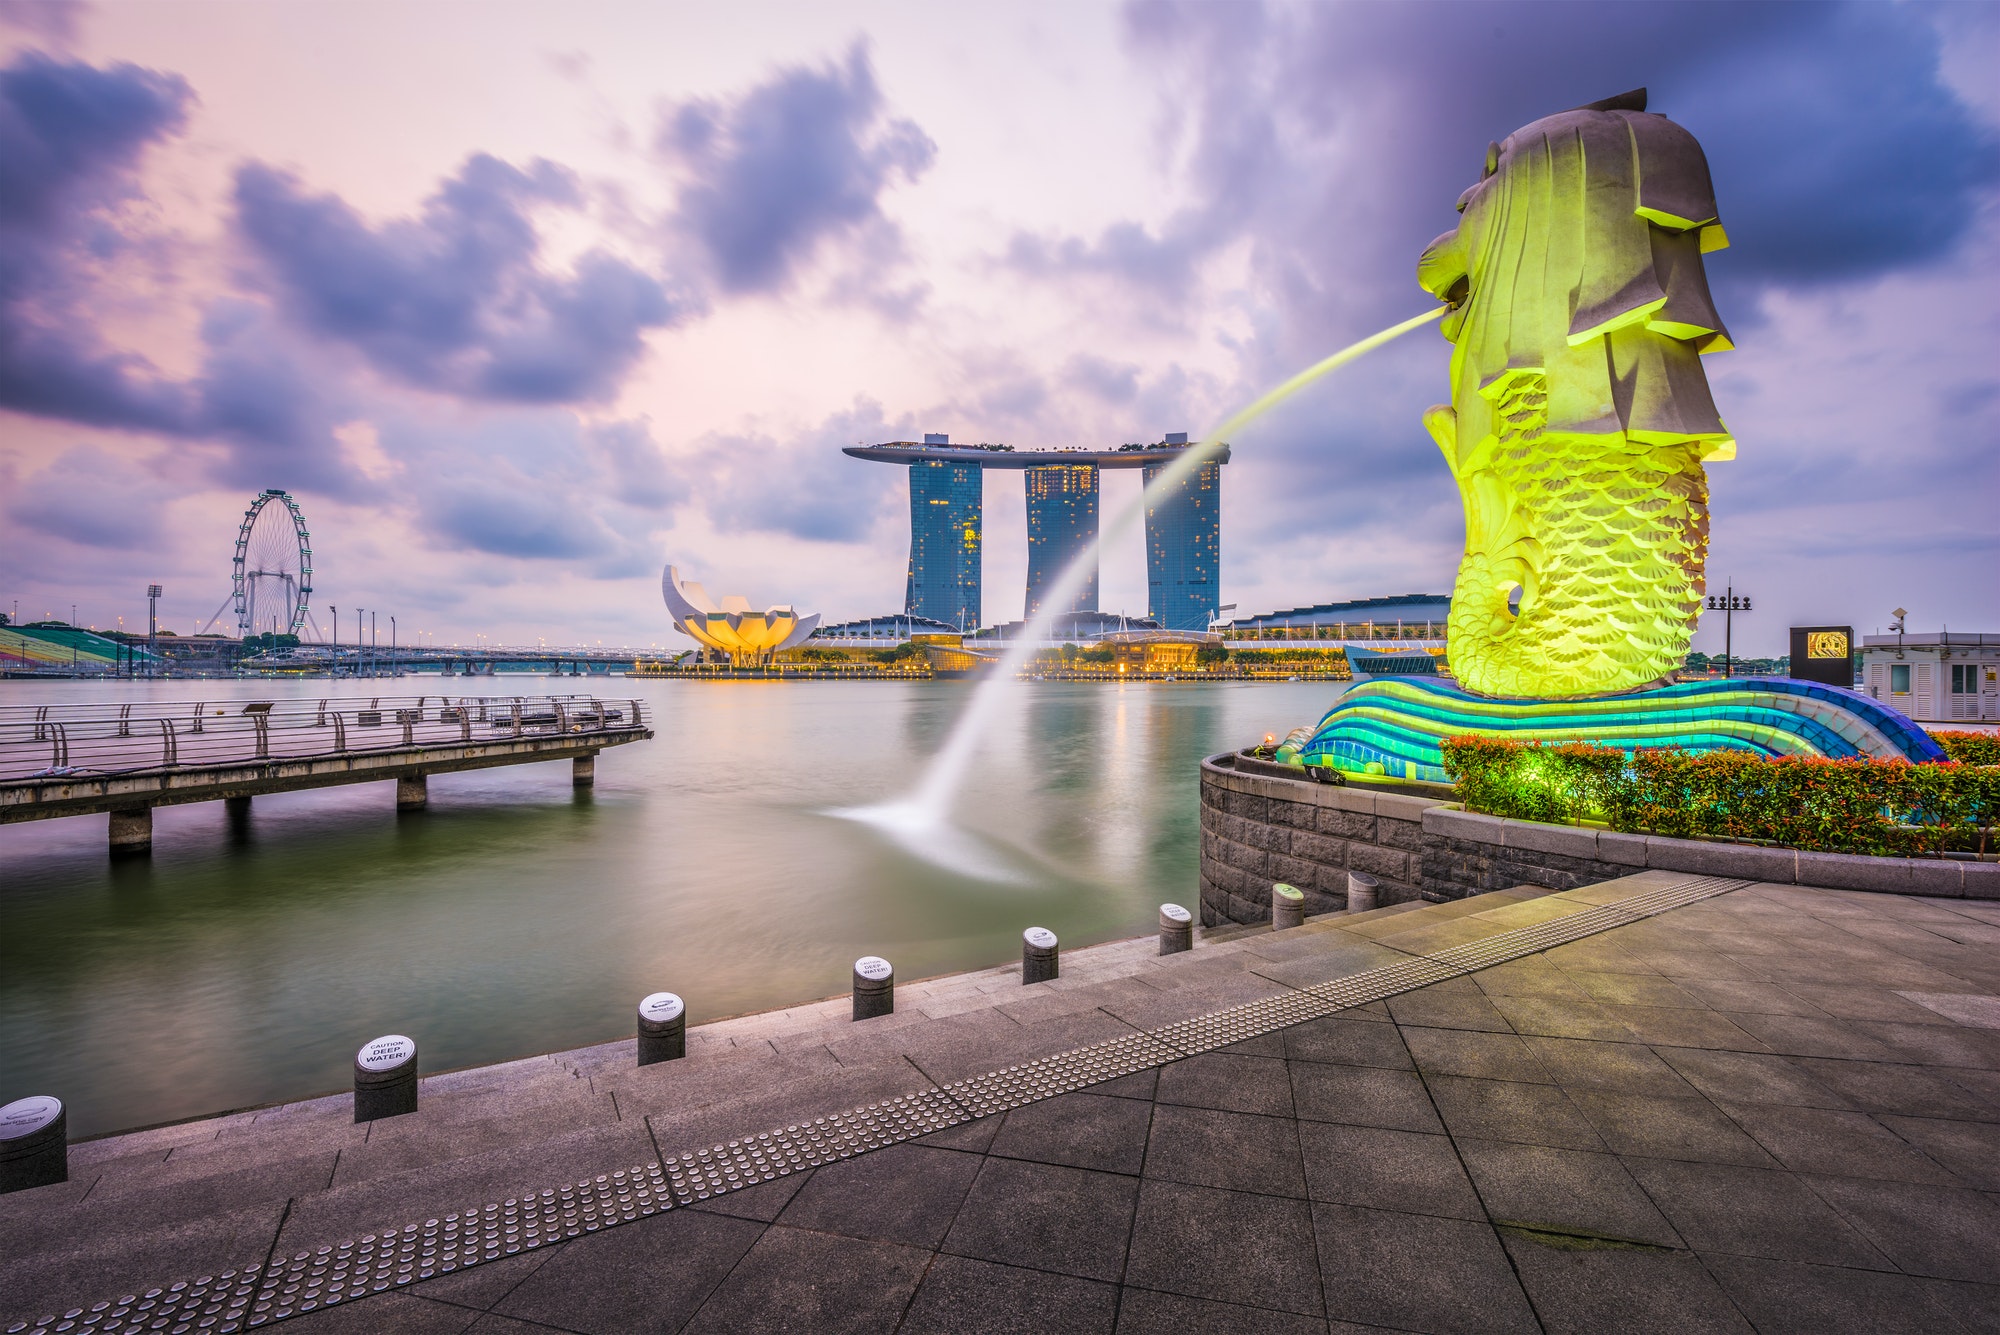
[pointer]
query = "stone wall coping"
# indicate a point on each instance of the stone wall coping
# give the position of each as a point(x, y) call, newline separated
point(1339, 797)
point(1943, 877)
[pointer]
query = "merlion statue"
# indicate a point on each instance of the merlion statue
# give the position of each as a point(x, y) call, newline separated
point(1578, 425)
point(1580, 415)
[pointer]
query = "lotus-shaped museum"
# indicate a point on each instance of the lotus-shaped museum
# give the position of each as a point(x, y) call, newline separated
point(749, 638)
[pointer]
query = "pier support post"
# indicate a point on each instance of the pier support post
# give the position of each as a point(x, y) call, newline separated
point(1288, 907)
point(874, 987)
point(34, 1143)
point(662, 1028)
point(385, 1078)
point(1361, 891)
point(413, 792)
point(236, 807)
point(1039, 959)
point(132, 831)
point(1176, 929)
point(583, 770)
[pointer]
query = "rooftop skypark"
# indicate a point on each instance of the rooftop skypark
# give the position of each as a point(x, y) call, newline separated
point(1183, 532)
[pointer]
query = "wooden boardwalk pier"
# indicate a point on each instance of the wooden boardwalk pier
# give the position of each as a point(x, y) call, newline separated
point(126, 759)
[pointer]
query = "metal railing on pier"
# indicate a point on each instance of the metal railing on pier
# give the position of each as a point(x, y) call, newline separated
point(51, 741)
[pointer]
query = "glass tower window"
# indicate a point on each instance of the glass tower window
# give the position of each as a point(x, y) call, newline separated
point(1184, 549)
point(1062, 523)
point(945, 537)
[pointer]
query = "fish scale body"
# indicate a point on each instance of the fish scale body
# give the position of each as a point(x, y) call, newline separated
point(1605, 538)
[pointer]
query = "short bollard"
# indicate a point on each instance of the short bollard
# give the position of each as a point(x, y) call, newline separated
point(874, 987)
point(1361, 891)
point(662, 1028)
point(1039, 960)
point(1288, 907)
point(1176, 929)
point(385, 1078)
point(34, 1143)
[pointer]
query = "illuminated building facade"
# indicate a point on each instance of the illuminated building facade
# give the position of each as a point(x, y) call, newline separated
point(1062, 524)
point(733, 629)
point(1184, 548)
point(945, 537)
point(1062, 488)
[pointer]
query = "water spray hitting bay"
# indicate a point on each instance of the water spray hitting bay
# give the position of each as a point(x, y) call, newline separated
point(920, 821)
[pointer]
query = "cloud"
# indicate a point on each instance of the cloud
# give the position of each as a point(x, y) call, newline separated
point(505, 517)
point(277, 420)
point(1164, 262)
point(456, 300)
point(538, 485)
point(51, 21)
point(71, 136)
point(804, 487)
point(1334, 138)
point(92, 498)
point(792, 166)
point(639, 474)
point(1114, 382)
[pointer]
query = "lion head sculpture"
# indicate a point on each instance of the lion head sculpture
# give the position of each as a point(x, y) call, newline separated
point(1580, 415)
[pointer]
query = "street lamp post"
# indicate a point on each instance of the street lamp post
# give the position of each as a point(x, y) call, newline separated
point(392, 646)
point(1729, 603)
point(152, 628)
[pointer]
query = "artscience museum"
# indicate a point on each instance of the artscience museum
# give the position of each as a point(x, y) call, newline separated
point(733, 630)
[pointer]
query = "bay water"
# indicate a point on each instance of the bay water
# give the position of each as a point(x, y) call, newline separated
point(244, 962)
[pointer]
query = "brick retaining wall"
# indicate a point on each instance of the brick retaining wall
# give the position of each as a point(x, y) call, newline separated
point(1258, 829)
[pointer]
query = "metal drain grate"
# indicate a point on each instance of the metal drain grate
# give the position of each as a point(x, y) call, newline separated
point(254, 1296)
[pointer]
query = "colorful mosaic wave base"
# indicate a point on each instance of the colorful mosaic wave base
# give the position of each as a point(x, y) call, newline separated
point(1394, 728)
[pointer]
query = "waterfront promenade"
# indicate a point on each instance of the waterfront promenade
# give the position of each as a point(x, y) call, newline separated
point(1653, 1103)
point(83, 758)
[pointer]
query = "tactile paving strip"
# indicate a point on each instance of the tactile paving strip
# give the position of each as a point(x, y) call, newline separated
point(1046, 1077)
point(307, 1281)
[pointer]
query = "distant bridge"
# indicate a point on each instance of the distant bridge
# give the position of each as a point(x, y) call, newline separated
point(369, 661)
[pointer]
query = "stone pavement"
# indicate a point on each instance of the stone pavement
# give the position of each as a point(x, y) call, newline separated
point(1778, 1109)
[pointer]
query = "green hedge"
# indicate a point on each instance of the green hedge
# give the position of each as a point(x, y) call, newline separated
point(1250, 657)
point(1974, 748)
point(1839, 806)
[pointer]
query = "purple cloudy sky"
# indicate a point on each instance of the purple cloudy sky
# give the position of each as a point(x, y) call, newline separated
point(523, 300)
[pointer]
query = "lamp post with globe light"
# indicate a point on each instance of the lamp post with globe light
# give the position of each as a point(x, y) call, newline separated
point(1729, 603)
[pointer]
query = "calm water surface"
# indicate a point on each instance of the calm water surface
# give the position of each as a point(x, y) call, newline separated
point(243, 964)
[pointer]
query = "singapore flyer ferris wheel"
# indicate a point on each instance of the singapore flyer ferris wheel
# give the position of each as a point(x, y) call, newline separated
point(272, 572)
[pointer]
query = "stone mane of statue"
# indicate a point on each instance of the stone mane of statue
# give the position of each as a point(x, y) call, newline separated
point(1580, 414)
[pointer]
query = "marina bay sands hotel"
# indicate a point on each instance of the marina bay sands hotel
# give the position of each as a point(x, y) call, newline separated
point(1183, 528)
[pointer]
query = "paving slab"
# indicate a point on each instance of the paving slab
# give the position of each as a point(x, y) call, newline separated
point(1418, 1272)
point(1069, 1221)
point(1586, 1286)
point(1228, 1246)
point(1730, 1116)
point(1578, 1194)
point(961, 1296)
